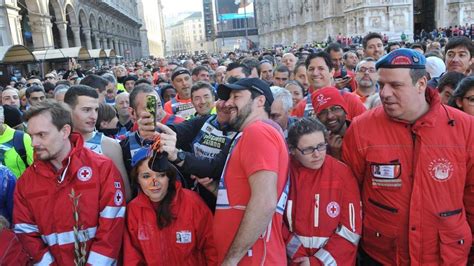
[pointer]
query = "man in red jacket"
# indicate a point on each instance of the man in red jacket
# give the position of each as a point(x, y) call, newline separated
point(414, 160)
point(70, 204)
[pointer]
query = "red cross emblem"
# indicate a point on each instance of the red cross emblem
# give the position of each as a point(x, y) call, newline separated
point(333, 209)
point(118, 198)
point(84, 173)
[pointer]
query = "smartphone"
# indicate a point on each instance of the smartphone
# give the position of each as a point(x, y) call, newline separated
point(338, 80)
point(151, 106)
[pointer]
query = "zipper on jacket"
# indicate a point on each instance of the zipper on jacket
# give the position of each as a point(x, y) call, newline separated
point(413, 155)
point(383, 206)
point(450, 213)
point(412, 177)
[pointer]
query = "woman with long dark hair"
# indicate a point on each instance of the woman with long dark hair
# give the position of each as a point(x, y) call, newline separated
point(166, 224)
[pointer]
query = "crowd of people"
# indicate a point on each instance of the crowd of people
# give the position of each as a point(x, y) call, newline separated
point(305, 156)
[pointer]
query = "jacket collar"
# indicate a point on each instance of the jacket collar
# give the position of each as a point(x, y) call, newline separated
point(70, 164)
point(430, 117)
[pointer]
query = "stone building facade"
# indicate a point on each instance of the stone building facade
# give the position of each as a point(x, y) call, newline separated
point(304, 21)
point(53, 24)
point(187, 35)
point(152, 32)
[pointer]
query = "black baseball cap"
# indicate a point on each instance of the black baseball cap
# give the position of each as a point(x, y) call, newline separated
point(253, 84)
point(179, 71)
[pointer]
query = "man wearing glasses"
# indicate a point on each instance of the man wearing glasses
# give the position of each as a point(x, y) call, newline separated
point(33, 80)
point(51, 78)
point(366, 78)
point(213, 63)
point(414, 161)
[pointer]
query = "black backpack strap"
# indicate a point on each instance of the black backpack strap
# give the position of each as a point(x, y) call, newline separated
point(19, 145)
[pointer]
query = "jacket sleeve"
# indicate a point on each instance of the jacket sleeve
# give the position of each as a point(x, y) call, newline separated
point(205, 238)
point(294, 247)
point(341, 247)
point(11, 250)
point(187, 131)
point(204, 167)
point(27, 230)
point(469, 186)
point(351, 154)
point(132, 254)
point(108, 239)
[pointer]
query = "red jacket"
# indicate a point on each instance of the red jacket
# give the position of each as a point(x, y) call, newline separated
point(11, 250)
point(43, 214)
point(354, 105)
point(323, 214)
point(187, 241)
point(417, 184)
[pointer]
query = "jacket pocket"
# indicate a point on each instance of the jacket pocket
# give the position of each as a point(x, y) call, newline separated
point(454, 245)
point(380, 246)
point(383, 206)
point(384, 171)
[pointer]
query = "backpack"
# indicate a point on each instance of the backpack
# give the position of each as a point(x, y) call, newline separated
point(19, 145)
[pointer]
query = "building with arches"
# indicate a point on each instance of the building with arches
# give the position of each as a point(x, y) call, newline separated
point(53, 24)
point(304, 21)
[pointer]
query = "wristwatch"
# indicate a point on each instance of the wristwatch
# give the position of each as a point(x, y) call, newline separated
point(180, 157)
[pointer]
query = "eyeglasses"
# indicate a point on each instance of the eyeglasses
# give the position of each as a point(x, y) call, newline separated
point(310, 150)
point(336, 109)
point(32, 84)
point(371, 70)
point(50, 77)
point(470, 100)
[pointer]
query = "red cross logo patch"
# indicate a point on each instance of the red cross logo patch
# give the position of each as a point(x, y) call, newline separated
point(333, 209)
point(118, 198)
point(84, 173)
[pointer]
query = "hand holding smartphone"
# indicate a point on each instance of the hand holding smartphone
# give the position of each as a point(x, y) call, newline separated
point(151, 106)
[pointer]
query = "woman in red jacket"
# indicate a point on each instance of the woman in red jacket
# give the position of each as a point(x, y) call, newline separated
point(166, 224)
point(323, 212)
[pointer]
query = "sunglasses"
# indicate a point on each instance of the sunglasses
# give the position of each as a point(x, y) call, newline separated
point(31, 84)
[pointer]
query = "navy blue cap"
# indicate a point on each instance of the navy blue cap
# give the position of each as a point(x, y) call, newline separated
point(253, 84)
point(402, 58)
point(141, 155)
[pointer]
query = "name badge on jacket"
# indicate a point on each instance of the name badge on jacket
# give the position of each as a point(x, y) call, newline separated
point(386, 175)
point(183, 237)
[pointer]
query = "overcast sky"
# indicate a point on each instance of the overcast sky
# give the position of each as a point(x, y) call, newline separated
point(171, 7)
